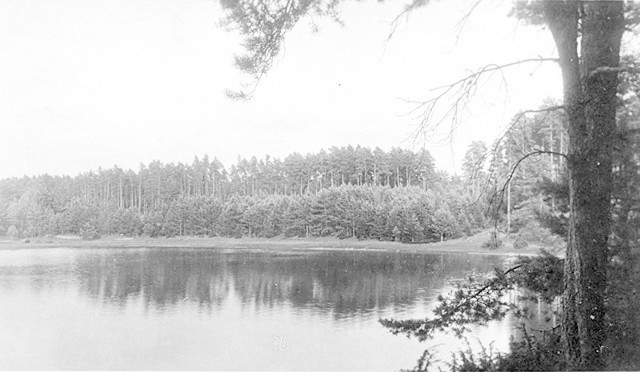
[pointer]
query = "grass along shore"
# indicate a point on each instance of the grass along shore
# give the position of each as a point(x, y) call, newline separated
point(472, 244)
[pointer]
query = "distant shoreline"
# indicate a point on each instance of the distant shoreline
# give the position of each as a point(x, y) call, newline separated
point(470, 245)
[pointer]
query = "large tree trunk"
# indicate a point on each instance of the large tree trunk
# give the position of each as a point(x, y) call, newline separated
point(590, 82)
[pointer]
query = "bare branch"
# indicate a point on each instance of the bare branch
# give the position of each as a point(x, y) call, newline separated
point(462, 90)
point(465, 18)
point(516, 119)
point(404, 15)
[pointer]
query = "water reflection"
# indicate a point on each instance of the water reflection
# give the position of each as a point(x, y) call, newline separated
point(345, 283)
point(214, 309)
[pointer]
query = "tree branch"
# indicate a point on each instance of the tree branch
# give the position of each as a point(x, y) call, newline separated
point(512, 172)
point(422, 328)
point(462, 89)
point(404, 15)
point(515, 120)
point(482, 289)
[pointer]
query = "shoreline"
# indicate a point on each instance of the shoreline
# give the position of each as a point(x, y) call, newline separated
point(468, 245)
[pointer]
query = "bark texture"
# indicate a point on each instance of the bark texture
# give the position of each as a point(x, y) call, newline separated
point(588, 36)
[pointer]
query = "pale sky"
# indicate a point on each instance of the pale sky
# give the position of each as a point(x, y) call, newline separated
point(95, 83)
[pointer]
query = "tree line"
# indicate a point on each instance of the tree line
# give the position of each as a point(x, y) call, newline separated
point(345, 192)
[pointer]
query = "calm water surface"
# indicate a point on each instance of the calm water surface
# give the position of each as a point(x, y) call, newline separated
point(220, 309)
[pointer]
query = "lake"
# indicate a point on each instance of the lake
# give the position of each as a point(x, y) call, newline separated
point(220, 309)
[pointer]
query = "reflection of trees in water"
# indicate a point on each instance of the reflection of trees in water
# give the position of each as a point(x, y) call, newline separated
point(160, 277)
point(344, 282)
point(541, 318)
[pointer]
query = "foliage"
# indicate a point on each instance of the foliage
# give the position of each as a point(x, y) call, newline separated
point(467, 360)
point(88, 231)
point(152, 225)
point(542, 274)
point(477, 301)
point(622, 348)
point(472, 302)
point(13, 232)
point(347, 193)
point(534, 354)
point(530, 353)
point(192, 199)
point(520, 242)
point(554, 214)
point(494, 241)
point(539, 278)
point(534, 234)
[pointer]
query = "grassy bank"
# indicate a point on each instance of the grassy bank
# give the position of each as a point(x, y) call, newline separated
point(471, 244)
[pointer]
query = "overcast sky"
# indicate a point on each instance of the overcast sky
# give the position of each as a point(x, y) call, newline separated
point(95, 83)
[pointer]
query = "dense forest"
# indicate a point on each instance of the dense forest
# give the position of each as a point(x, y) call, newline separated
point(517, 183)
point(345, 192)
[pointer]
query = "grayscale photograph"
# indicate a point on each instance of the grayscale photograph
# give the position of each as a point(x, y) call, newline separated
point(320, 185)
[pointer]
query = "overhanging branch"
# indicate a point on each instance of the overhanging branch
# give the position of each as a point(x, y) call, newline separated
point(462, 90)
point(512, 172)
point(515, 120)
point(445, 317)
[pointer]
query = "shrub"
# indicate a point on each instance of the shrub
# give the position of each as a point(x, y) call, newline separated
point(533, 233)
point(327, 231)
point(152, 225)
point(88, 231)
point(294, 231)
point(520, 241)
point(533, 354)
point(494, 241)
point(466, 360)
point(13, 232)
